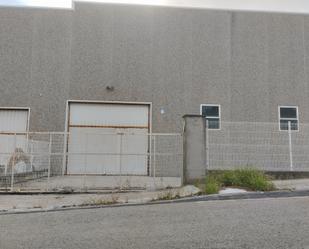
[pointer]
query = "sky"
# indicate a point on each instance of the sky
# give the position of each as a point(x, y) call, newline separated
point(290, 6)
point(38, 3)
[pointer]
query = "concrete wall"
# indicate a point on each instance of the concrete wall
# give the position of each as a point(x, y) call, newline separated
point(194, 149)
point(35, 63)
point(175, 58)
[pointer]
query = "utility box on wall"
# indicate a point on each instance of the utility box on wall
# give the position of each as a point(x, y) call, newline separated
point(194, 147)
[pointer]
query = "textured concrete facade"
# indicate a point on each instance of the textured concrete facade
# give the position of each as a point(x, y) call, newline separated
point(195, 158)
point(249, 63)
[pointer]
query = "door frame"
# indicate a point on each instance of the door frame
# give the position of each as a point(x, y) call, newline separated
point(67, 122)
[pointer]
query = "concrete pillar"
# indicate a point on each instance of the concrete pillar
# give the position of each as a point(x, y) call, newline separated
point(194, 147)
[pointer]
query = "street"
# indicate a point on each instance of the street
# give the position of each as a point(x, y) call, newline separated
point(263, 223)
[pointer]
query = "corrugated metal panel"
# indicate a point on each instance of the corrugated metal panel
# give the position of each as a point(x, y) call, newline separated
point(109, 115)
point(13, 120)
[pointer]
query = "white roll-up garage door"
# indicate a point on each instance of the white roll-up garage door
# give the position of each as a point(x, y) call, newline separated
point(12, 121)
point(108, 138)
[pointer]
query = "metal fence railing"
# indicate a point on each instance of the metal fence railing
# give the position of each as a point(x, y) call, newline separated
point(51, 161)
point(90, 160)
point(260, 145)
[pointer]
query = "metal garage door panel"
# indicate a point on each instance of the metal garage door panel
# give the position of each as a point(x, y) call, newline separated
point(92, 151)
point(108, 139)
point(134, 149)
point(114, 115)
point(109, 151)
point(13, 120)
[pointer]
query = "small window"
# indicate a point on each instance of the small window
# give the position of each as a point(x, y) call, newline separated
point(288, 114)
point(212, 115)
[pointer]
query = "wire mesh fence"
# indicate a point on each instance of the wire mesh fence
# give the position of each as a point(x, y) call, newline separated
point(82, 161)
point(260, 145)
point(89, 160)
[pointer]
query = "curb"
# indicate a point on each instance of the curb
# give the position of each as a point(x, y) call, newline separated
point(249, 195)
point(71, 192)
point(216, 197)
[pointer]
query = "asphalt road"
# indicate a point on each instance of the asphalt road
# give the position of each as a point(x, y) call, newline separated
point(262, 223)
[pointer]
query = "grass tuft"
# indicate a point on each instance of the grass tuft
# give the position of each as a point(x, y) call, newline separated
point(212, 185)
point(247, 178)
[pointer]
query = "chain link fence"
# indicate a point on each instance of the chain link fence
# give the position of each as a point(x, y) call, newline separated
point(260, 145)
point(51, 161)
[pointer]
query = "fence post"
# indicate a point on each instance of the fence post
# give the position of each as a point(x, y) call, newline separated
point(13, 164)
point(207, 145)
point(154, 157)
point(120, 160)
point(31, 156)
point(85, 159)
point(290, 146)
point(65, 154)
point(150, 154)
point(49, 159)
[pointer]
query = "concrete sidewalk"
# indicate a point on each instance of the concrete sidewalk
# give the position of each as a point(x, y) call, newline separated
point(14, 203)
point(36, 202)
point(89, 182)
point(295, 184)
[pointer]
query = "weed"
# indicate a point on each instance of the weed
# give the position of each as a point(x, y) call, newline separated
point(212, 185)
point(100, 202)
point(168, 195)
point(247, 178)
